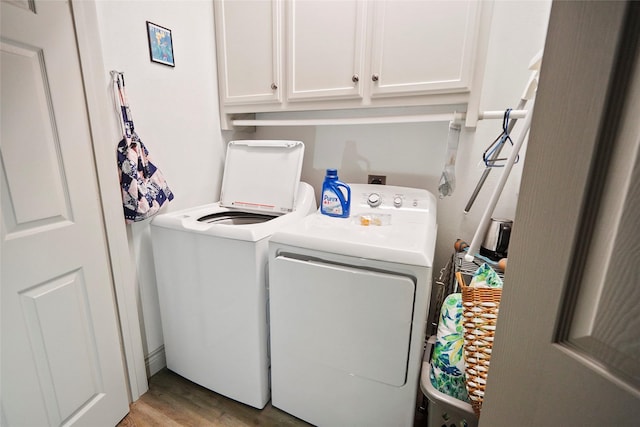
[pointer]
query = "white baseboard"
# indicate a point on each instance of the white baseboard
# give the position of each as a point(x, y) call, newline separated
point(155, 361)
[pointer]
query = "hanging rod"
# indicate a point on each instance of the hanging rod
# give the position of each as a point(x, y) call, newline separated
point(417, 118)
point(492, 115)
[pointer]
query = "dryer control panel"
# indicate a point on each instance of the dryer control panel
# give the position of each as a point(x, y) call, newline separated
point(371, 196)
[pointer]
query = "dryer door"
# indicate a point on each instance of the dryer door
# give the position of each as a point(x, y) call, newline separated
point(349, 321)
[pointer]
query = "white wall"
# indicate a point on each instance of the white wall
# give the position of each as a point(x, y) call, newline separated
point(413, 154)
point(176, 115)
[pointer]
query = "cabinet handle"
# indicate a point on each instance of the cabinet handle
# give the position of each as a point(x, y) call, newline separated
point(355, 78)
point(274, 86)
point(375, 77)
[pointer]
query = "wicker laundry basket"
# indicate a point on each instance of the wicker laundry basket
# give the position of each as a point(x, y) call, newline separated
point(480, 311)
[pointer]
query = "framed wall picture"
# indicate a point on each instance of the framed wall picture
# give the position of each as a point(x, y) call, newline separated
point(160, 44)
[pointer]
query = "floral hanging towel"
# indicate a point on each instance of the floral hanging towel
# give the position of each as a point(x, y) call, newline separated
point(144, 189)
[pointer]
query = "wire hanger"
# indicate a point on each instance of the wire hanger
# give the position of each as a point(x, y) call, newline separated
point(490, 155)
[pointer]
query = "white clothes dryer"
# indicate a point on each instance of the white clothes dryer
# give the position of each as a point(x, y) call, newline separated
point(348, 302)
point(211, 269)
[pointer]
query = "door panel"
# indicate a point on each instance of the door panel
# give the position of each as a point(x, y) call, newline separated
point(61, 357)
point(359, 321)
point(437, 55)
point(53, 333)
point(325, 49)
point(248, 40)
point(25, 95)
point(566, 345)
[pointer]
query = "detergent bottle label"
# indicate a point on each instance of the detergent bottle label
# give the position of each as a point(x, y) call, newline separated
point(331, 204)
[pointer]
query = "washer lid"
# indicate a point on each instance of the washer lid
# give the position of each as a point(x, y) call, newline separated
point(261, 175)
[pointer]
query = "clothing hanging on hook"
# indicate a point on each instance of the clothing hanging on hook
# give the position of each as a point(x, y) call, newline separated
point(144, 189)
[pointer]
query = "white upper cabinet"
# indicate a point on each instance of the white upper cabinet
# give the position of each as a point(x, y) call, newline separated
point(248, 39)
point(325, 48)
point(348, 54)
point(422, 46)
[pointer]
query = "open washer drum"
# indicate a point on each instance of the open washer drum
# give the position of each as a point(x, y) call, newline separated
point(260, 187)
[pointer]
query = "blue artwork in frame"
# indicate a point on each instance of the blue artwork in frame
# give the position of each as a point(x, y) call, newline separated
point(160, 44)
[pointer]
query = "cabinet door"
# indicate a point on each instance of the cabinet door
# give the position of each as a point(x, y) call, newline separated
point(248, 42)
point(325, 43)
point(422, 47)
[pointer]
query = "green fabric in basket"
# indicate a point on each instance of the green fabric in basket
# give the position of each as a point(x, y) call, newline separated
point(447, 361)
point(486, 277)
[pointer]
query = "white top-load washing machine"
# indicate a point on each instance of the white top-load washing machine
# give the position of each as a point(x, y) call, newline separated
point(348, 302)
point(211, 269)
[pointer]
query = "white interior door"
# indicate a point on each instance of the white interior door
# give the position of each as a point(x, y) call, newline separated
point(61, 356)
point(567, 348)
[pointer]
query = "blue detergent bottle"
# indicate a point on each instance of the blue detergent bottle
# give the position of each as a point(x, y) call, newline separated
point(336, 196)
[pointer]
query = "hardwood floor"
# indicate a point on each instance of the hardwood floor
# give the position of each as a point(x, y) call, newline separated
point(173, 401)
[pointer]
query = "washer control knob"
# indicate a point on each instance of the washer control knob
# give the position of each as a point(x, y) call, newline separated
point(397, 201)
point(374, 200)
